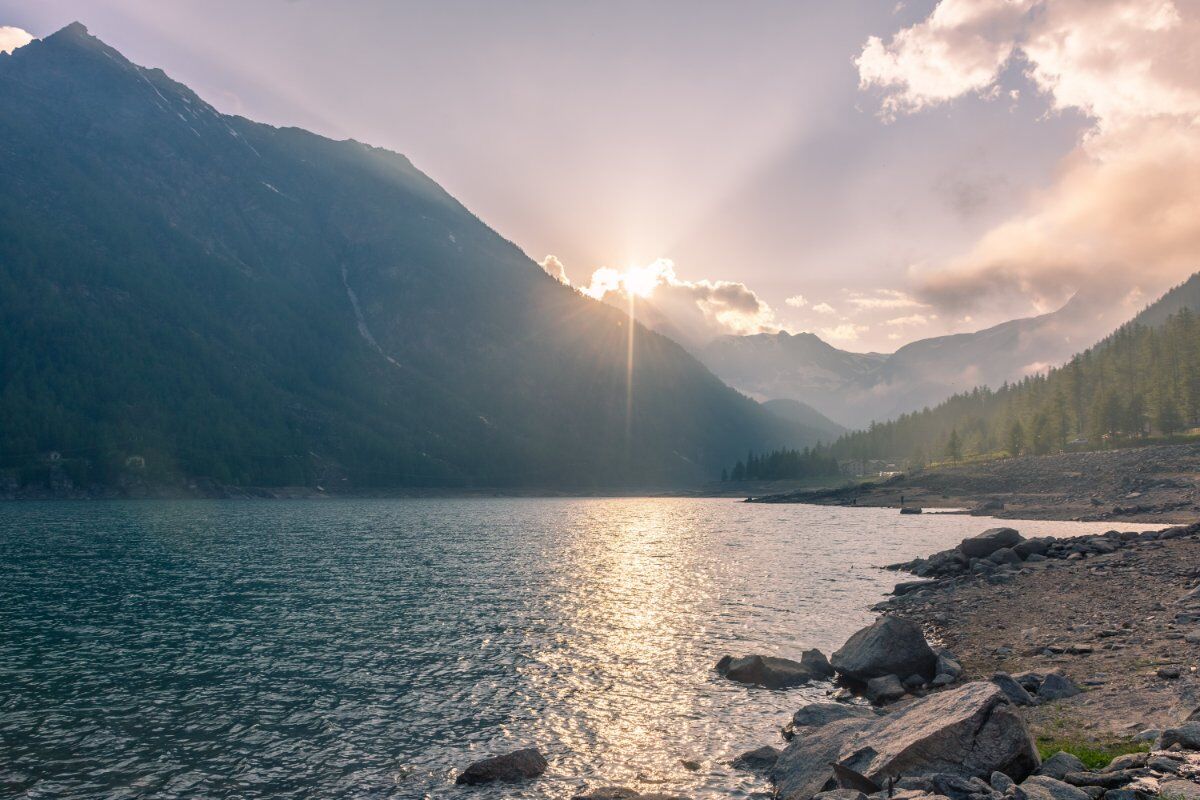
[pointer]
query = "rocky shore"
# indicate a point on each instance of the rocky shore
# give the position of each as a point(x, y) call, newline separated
point(1154, 484)
point(1005, 668)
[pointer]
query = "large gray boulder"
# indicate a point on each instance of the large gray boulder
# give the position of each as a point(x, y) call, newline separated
point(971, 731)
point(775, 673)
point(508, 768)
point(889, 646)
point(818, 715)
point(989, 541)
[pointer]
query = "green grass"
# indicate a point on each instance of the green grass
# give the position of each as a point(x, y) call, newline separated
point(1094, 755)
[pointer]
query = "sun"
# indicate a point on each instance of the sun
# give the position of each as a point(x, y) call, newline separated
point(641, 281)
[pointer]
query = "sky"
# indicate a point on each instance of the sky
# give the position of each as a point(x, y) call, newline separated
point(873, 172)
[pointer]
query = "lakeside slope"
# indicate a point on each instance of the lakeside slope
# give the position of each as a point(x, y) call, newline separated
point(1144, 484)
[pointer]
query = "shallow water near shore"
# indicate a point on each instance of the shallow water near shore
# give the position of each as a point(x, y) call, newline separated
point(370, 648)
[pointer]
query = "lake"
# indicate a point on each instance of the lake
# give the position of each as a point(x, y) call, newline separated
point(371, 648)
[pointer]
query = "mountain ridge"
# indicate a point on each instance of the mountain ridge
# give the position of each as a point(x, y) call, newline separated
point(202, 296)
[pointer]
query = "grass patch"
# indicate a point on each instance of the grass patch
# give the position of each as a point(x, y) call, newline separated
point(1094, 755)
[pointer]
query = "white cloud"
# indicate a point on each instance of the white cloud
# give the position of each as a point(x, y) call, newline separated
point(555, 269)
point(884, 298)
point(843, 333)
point(824, 308)
point(11, 38)
point(692, 311)
point(912, 319)
point(1123, 209)
point(797, 301)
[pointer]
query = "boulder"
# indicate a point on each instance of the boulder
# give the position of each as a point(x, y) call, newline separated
point(1127, 761)
point(760, 759)
point(1057, 686)
point(989, 541)
point(971, 731)
point(508, 768)
point(816, 663)
point(816, 715)
point(1005, 555)
point(771, 672)
point(1043, 787)
point(1105, 780)
point(1030, 681)
point(1177, 789)
point(889, 646)
point(1186, 736)
point(885, 689)
point(1033, 547)
point(1001, 782)
point(1013, 690)
point(1059, 764)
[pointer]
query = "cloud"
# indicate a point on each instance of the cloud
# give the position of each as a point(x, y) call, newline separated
point(847, 332)
point(12, 38)
point(824, 308)
point(692, 311)
point(883, 298)
point(912, 319)
point(1123, 209)
point(555, 269)
point(797, 301)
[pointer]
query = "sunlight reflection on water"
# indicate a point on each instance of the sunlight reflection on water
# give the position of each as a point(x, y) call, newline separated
point(370, 648)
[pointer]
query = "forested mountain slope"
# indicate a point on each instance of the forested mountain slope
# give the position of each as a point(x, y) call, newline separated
point(1143, 379)
point(185, 294)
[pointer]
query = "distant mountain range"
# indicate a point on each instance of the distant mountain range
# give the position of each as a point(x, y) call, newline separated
point(855, 389)
point(187, 295)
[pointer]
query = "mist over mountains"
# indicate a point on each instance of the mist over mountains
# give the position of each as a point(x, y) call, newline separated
point(855, 389)
point(186, 295)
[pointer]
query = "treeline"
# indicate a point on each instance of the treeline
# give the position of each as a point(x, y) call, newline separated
point(1140, 381)
point(784, 464)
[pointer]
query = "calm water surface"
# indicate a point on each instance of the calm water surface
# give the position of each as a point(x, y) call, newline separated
point(370, 648)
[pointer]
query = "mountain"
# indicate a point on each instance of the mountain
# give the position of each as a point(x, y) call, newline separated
point(188, 295)
point(806, 416)
point(1142, 379)
point(788, 366)
point(855, 389)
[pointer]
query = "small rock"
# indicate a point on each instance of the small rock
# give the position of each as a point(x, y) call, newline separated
point(1001, 782)
point(1127, 761)
point(515, 766)
point(1148, 735)
point(840, 794)
point(1179, 790)
point(1013, 690)
point(1057, 686)
point(1163, 764)
point(1107, 780)
point(757, 760)
point(1059, 764)
point(885, 689)
point(1186, 736)
point(768, 671)
point(693, 766)
point(1043, 787)
point(1169, 673)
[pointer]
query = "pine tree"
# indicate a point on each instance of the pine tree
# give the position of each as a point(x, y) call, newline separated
point(954, 446)
point(1016, 438)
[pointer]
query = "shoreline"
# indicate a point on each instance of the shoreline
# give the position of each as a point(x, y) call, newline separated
point(1115, 613)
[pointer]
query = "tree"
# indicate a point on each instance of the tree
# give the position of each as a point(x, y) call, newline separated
point(1016, 438)
point(1169, 420)
point(954, 446)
